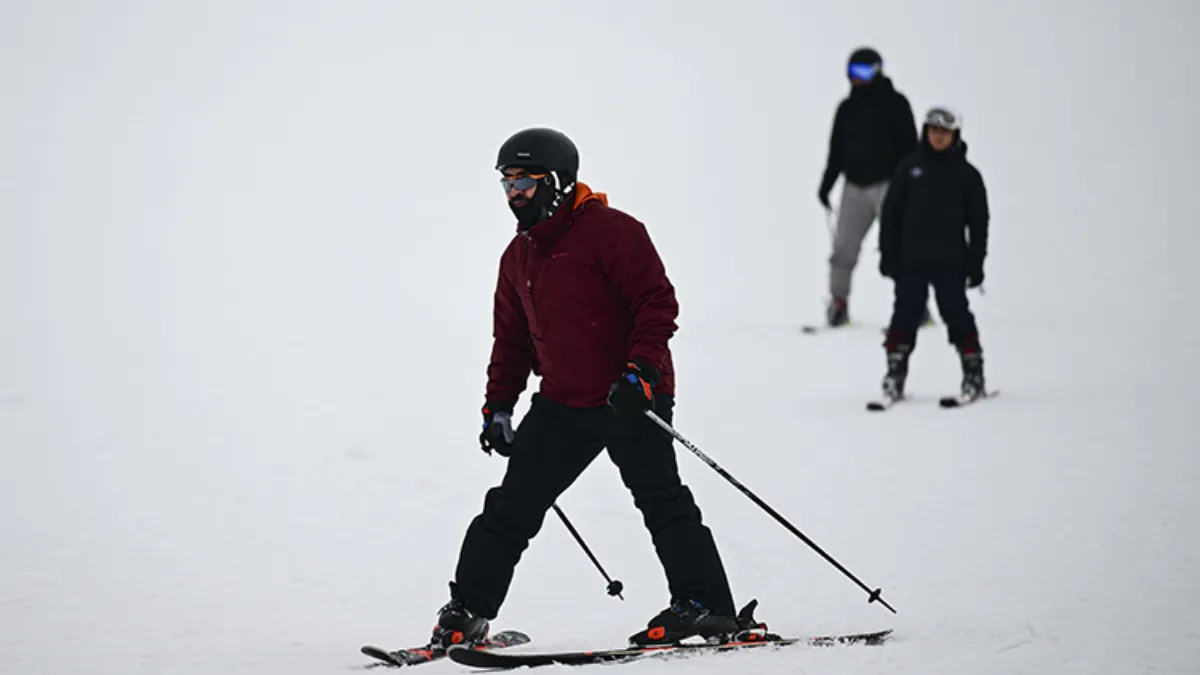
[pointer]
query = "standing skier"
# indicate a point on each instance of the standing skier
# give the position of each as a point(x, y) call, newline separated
point(583, 300)
point(873, 131)
point(936, 197)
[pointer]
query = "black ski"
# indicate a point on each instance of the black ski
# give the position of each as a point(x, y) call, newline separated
point(959, 401)
point(880, 405)
point(485, 658)
point(415, 656)
point(813, 329)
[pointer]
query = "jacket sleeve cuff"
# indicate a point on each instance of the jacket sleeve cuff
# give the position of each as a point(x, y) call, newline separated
point(498, 406)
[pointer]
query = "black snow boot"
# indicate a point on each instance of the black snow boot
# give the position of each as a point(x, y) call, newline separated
point(897, 370)
point(457, 624)
point(972, 367)
point(684, 619)
point(837, 313)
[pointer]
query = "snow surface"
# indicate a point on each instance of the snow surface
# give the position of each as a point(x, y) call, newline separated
point(247, 255)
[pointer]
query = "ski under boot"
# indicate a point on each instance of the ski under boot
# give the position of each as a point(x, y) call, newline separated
point(684, 619)
point(749, 629)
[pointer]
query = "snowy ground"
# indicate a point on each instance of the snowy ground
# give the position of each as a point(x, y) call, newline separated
point(247, 251)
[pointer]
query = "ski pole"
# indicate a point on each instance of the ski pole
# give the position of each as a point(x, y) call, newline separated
point(614, 587)
point(872, 595)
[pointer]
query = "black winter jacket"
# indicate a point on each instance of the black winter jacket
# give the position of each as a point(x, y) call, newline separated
point(934, 199)
point(873, 131)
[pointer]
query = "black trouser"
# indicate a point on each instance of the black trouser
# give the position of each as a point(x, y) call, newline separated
point(554, 445)
point(950, 290)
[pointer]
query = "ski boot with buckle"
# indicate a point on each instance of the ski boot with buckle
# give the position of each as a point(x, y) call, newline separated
point(897, 371)
point(972, 378)
point(683, 619)
point(458, 625)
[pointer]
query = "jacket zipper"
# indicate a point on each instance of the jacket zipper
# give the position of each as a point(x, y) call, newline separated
point(529, 282)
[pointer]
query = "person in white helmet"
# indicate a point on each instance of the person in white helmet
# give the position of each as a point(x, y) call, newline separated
point(934, 232)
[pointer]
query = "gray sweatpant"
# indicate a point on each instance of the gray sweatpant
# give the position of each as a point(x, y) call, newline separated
point(860, 207)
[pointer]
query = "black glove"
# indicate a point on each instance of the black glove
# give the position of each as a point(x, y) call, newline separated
point(975, 275)
point(633, 393)
point(497, 432)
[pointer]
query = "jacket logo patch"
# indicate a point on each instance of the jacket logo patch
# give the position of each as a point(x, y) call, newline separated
point(916, 172)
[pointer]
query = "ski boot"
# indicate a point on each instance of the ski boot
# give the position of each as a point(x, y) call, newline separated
point(897, 371)
point(684, 619)
point(972, 379)
point(458, 625)
point(837, 313)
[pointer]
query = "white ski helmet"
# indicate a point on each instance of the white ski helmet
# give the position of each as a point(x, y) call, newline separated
point(944, 117)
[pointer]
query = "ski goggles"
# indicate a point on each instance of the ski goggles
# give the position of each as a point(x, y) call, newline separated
point(864, 71)
point(510, 183)
point(943, 118)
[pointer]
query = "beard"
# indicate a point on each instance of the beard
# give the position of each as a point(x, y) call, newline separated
point(530, 212)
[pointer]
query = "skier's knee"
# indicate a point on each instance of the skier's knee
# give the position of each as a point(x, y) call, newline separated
point(844, 257)
point(666, 507)
point(512, 517)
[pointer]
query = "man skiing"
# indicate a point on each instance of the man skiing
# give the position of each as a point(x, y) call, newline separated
point(936, 197)
point(873, 131)
point(583, 300)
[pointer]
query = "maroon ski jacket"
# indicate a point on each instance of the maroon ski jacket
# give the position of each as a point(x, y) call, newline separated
point(578, 296)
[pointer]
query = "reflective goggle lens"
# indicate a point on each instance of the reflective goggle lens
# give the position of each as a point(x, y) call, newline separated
point(510, 183)
point(864, 71)
point(939, 117)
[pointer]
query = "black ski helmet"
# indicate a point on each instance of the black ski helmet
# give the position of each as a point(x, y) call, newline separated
point(864, 64)
point(866, 56)
point(541, 148)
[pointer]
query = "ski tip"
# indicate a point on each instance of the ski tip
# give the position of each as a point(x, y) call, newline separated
point(873, 639)
point(382, 656)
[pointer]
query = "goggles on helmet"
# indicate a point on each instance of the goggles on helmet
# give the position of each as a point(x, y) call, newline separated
point(864, 71)
point(525, 182)
point(943, 118)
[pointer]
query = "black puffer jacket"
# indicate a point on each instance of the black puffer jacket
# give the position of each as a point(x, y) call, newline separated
point(935, 211)
point(873, 131)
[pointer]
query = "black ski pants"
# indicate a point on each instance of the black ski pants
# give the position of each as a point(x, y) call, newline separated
point(911, 295)
point(553, 446)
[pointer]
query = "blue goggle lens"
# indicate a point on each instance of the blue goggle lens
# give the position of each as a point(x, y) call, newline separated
point(863, 71)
